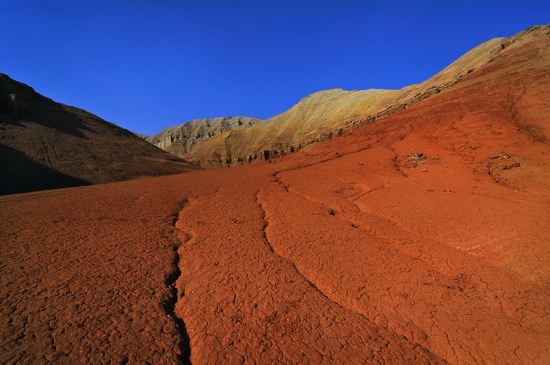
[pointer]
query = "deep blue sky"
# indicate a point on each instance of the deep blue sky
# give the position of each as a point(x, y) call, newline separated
point(146, 65)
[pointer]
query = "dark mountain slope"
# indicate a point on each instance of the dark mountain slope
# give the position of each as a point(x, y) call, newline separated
point(47, 145)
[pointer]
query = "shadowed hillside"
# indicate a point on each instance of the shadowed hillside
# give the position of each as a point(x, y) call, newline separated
point(46, 145)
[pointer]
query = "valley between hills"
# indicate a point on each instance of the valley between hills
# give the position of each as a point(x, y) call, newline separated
point(391, 227)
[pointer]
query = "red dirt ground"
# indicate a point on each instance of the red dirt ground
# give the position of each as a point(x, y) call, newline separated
point(421, 238)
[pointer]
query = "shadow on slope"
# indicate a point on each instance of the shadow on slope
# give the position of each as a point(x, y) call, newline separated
point(21, 174)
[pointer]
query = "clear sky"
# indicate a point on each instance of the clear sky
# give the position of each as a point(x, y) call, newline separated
point(147, 65)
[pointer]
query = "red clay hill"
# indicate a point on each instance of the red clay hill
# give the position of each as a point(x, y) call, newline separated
point(420, 238)
point(47, 145)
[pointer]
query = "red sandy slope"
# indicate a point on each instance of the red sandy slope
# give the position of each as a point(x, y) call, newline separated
point(421, 238)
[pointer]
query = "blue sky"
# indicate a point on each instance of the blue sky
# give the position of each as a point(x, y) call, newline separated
point(147, 65)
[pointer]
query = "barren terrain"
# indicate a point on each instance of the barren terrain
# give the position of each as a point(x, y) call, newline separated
point(420, 238)
point(321, 115)
point(47, 145)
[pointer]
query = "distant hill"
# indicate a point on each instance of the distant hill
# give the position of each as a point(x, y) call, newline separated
point(183, 139)
point(317, 117)
point(47, 145)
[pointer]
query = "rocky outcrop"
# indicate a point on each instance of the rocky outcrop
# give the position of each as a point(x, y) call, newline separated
point(182, 139)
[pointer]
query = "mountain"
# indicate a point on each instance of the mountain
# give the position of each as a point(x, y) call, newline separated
point(47, 145)
point(419, 238)
point(182, 140)
point(316, 117)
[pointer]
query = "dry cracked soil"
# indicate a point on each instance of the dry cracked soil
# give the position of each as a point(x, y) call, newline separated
point(422, 238)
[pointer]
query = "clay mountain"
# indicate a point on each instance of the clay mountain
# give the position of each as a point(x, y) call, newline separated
point(234, 141)
point(419, 235)
point(46, 145)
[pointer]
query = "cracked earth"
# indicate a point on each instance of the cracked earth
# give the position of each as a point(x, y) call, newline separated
point(420, 238)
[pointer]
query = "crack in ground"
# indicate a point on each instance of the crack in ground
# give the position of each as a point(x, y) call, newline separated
point(292, 264)
point(318, 290)
point(169, 306)
point(265, 239)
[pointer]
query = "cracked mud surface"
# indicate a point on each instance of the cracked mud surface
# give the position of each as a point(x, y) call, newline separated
point(343, 253)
